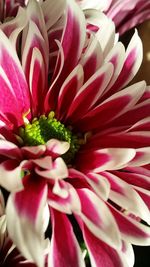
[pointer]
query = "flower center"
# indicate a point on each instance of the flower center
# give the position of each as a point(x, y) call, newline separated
point(39, 131)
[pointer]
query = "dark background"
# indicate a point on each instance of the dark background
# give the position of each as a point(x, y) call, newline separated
point(142, 256)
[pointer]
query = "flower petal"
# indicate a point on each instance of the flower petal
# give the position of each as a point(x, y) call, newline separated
point(103, 227)
point(64, 255)
point(103, 255)
point(13, 87)
point(132, 231)
point(104, 159)
point(25, 211)
point(10, 175)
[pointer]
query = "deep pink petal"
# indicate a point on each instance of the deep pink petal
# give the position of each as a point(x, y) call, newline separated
point(112, 108)
point(131, 230)
point(65, 251)
point(104, 159)
point(72, 44)
point(92, 210)
point(25, 212)
point(15, 96)
point(91, 90)
point(101, 254)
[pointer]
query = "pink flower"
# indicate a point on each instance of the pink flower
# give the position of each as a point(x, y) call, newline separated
point(125, 14)
point(74, 147)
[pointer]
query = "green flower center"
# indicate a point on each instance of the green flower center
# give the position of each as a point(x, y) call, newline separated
point(39, 131)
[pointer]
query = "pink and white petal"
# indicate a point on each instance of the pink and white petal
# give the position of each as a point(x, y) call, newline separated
point(101, 254)
point(144, 194)
point(13, 27)
point(112, 108)
point(44, 162)
point(99, 5)
point(33, 39)
point(37, 81)
point(57, 172)
point(104, 159)
point(72, 43)
point(50, 98)
point(33, 152)
point(13, 84)
point(57, 147)
point(92, 91)
point(116, 56)
point(52, 11)
point(99, 184)
point(69, 90)
point(133, 176)
point(35, 13)
point(25, 211)
point(64, 255)
point(92, 211)
point(138, 112)
point(78, 179)
point(10, 150)
point(74, 35)
point(92, 58)
point(141, 158)
point(10, 175)
point(64, 198)
point(126, 197)
point(106, 39)
point(131, 230)
point(133, 59)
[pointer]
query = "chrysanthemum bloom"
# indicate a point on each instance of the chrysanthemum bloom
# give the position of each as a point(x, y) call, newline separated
point(74, 147)
point(125, 13)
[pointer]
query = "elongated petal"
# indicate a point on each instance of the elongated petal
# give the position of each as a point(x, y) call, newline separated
point(103, 227)
point(134, 55)
point(104, 159)
point(68, 254)
point(103, 255)
point(25, 212)
point(72, 43)
point(131, 230)
point(37, 81)
point(92, 58)
point(33, 39)
point(69, 89)
point(13, 87)
point(126, 197)
point(113, 107)
point(92, 90)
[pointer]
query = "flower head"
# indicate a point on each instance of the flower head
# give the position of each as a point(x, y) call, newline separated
point(74, 147)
